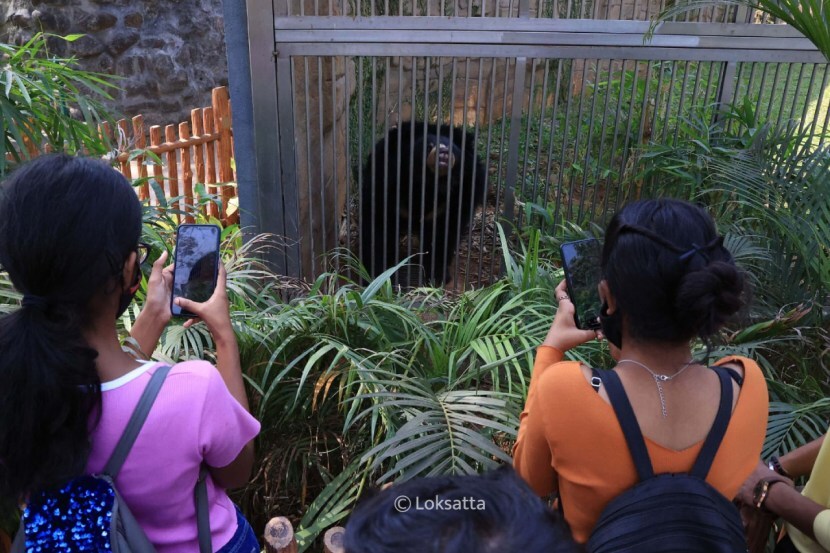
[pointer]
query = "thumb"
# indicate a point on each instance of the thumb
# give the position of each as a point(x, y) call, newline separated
point(158, 265)
point(185, 303)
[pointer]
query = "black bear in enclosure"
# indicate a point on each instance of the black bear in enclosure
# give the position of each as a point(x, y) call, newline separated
point(423, 181)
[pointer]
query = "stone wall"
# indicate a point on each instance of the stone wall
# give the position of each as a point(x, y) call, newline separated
point(170, 54)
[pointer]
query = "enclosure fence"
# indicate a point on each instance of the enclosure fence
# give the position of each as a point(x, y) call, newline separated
point(557, 98)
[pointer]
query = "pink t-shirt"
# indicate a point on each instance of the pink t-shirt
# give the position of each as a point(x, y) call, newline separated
point(194, 419)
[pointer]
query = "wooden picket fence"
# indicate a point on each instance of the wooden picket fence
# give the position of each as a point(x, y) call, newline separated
point(195, 151)
point(279, 537)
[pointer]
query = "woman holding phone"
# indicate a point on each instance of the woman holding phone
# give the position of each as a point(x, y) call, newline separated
point(667, 280)
point(69, 240)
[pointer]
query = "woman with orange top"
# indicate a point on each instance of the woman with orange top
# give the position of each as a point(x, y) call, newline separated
point(667, 280)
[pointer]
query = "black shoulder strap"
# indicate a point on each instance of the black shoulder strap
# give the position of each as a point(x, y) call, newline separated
point(713, 440)
point(142, 409)
point(735, 376)
point(628, 423)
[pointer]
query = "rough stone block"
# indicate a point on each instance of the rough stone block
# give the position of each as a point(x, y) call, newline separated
point(118, 41)
point(94, 22)
point(87, 46)
point(134, 20)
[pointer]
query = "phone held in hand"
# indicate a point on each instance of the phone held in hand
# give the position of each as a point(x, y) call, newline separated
point(581, 262)
point(197, 265)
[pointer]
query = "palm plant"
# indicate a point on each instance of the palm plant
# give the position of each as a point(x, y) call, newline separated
point(47, 104)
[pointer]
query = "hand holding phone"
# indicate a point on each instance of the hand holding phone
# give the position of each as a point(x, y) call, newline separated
point(196, 266)
point(563, 333)
point(581, 262)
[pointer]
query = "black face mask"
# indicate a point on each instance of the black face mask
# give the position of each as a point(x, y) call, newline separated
point(128, 295)
point(611, 325)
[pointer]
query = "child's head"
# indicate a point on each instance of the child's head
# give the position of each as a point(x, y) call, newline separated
point(493, 512)
point(69, 231)
point(667, 276)
point(67, 227)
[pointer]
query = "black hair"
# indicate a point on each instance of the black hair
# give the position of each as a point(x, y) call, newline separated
point(493, 512)
point(67, 225)
point(669, 272)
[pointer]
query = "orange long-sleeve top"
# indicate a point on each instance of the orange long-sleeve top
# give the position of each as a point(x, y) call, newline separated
point(570, 436)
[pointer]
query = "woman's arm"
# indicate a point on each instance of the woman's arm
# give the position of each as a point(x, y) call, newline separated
point(531, 454)
point(216, 314)
point(155, 314)
point(785, 501)
point(800, 461)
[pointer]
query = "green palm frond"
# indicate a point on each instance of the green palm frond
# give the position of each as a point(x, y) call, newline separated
point(791, 426)
point(436, 432)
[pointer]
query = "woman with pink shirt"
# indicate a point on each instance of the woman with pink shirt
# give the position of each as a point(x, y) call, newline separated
point(69, 240)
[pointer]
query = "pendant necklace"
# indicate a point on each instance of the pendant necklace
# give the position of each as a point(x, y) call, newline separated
point(659, 379)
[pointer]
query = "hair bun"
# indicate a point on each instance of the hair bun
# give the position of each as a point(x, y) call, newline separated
point(706, 298)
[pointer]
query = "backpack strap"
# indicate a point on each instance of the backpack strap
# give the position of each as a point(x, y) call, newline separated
point(628, 423)
point(142, 409)
point(203, 512)
point(713, 440)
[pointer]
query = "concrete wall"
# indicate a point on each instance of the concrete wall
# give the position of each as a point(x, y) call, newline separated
point(169, 53)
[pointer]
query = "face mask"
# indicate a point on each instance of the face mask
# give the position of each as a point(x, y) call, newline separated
point(611, 325)
point(128, 295)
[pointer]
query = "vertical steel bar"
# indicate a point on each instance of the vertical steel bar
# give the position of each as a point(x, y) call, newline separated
point(347, 147)
point(783, 96)
point(501, 191)
point(616, 134)
point(513, 155)
point(310, 246)
point(657, 94)
point(539, 136)
point(772, 90)
point(554, 128)
point(412, 212)
point(628, 130)
point(476, 176)
point(324, 246)
point(799, 80)
point(598, 177)
point(388, 234)
point(565, 133)
point(803, 117)
point(288, 160)
point(820, 100)
point(362, 255)
point(490, 102)
point(589, 147)
point(529, 120)
point(421, 239)
point(373, 112)
point(681, 104)
point(669, 98)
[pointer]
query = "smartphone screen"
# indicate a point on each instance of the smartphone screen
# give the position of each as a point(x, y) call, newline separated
point(581, 261)
point(197, 265)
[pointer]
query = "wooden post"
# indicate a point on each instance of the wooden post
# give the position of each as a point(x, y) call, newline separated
point(279, 536)
point(333, 540)
point(210, 177)
point(158, 171)
point(199, 150)
point(172, 167)
point(126, 170)
point(187, 172)
point(222, 124)
point(140, 144)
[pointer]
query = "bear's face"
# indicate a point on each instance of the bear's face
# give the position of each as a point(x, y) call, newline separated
point(442, 154)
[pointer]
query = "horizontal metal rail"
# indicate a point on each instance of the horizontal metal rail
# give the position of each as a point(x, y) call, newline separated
point(539, 38)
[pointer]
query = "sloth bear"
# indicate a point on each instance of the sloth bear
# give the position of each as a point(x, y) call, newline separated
point(432, 196)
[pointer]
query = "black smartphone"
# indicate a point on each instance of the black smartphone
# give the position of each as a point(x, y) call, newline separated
point(581, 262)
point(197, 265)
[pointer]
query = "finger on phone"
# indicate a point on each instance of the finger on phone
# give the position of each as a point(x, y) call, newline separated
point(562, 287)
point(222, 279)
point(190, 322)
point(158, 264)
point(187, 304)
